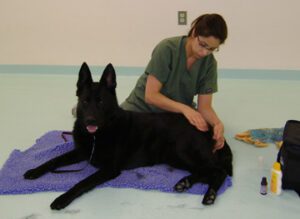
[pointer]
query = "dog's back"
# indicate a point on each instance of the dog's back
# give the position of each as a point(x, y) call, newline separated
point(163, 138)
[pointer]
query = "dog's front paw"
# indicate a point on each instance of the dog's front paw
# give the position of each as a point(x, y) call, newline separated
point(183, 185)
point(209, 197)
point(61, 202)
point(33, 174)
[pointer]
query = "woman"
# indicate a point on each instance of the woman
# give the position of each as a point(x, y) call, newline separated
point(180, 68)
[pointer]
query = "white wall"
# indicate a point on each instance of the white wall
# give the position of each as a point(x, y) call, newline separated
point(263, 34)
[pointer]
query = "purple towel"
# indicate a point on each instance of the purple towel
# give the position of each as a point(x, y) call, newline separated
point(159, 177)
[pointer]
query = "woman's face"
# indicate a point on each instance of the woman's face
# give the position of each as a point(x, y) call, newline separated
point(203, 46)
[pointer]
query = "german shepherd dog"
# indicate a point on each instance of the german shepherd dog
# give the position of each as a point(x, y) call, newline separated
point(113, 139)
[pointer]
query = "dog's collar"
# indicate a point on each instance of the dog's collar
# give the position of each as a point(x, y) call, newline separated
point(89, 161)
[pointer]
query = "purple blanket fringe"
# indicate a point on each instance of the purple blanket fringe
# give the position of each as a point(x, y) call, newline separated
point(158, 177)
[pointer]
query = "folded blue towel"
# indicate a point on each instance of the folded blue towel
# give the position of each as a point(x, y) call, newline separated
point(158, 177)
point(267, 135)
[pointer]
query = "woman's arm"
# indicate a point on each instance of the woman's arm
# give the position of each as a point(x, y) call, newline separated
point(206, 110)
point(154, 97)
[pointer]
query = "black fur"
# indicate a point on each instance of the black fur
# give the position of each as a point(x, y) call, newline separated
point(127, 140)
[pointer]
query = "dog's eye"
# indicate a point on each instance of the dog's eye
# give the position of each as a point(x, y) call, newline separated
point(100, 102)
point(85, 102)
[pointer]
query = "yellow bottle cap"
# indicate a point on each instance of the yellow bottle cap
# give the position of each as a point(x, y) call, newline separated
point(276, 166)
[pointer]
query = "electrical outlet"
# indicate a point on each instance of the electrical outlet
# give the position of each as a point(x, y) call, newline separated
point(182, 17)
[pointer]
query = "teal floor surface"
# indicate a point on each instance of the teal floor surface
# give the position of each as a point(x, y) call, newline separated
point(32, 104)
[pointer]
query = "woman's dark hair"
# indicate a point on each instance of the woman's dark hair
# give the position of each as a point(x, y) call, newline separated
point(209, 25)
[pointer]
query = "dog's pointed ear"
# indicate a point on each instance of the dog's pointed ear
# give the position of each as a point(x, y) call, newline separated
point(108, 78)
point(84, 78)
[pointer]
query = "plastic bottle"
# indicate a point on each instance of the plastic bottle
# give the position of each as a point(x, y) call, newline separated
point(264, 186)
point(276, 176)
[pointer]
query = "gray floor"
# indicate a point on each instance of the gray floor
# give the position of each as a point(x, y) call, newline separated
point(32, 104)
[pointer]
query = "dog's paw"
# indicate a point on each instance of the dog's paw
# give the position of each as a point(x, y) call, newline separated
point(183, 185)
point(61, 202)
point(33, 174)
point(209, 197)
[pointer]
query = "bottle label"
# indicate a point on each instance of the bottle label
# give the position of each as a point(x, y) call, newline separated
point(274, 183)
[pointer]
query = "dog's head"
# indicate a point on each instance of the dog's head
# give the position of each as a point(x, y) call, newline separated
point(97, 101)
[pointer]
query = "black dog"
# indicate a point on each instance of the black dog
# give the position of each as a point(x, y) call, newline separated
point(113, 139)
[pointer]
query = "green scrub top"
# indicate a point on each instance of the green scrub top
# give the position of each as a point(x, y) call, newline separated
point(168, 65)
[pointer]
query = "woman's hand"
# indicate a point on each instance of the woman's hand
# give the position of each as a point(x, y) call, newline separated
point(218, 136)
point(195, 118)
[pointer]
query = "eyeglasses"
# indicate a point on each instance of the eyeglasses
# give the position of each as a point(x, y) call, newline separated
point(204, 45)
